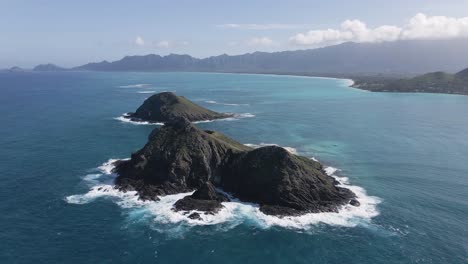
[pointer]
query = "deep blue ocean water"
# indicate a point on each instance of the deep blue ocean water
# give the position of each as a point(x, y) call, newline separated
point(408, 151)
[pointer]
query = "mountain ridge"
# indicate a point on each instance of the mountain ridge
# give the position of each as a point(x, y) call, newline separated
point(399, 57)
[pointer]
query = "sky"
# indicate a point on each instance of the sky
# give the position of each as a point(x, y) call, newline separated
point(71, 33)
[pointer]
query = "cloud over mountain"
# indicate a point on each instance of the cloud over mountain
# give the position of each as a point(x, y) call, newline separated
point(139, 41)
point(260, 41)
point(420, 26)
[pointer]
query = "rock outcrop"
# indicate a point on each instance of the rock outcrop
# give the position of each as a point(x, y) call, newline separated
point(206, 199)
point(163, 107)
point(282, 183)
point(179, 157)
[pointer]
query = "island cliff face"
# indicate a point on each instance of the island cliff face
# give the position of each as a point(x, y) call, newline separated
point(165, 106)
point(180, 157)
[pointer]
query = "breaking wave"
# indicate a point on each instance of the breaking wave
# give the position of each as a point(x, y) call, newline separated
point(124, 118)
point(138, 85)
point(234, 118)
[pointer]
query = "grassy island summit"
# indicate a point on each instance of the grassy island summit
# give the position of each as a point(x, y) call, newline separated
point(165, 106)
point(179, 157)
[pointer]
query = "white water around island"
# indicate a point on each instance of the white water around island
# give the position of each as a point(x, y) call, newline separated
point(234, 213)
point(125, 119)
point(387, 143)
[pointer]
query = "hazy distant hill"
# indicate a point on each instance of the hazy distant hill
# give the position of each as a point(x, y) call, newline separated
point(435, 82)
point(13, 69)
point(401, 57)
point(48, 67)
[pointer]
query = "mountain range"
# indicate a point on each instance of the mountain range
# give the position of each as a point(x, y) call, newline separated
point(409, 57)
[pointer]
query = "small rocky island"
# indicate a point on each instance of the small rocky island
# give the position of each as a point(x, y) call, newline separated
point(165, 106)
point(179, 157)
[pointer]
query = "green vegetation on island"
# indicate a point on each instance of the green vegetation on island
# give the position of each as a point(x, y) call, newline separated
point(435, 82)
point(165, 106)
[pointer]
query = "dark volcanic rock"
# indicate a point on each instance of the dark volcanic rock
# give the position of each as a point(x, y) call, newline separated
point(195, 216)
point(179, 157)
point(206, 199)
point(280, 181)
point(165, 106)
point(354, 202)
point(208, 192)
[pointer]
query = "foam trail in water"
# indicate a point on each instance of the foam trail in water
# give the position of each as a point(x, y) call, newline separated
point(146, 92)
point(124, 118)
point(233, 213)
point(234, 118)
point(138, 85)
point(229, 104)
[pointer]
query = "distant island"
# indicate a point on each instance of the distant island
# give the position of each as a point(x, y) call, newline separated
point(48, 67)
point(165, 106)
point(435, 82)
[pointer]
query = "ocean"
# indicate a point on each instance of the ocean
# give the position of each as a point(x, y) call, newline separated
point(405, 155)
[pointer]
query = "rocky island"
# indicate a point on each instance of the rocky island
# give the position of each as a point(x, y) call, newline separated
point(165, 106)
point(179, 157)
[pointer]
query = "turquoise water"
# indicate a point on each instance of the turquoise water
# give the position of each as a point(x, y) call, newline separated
point(409, 152)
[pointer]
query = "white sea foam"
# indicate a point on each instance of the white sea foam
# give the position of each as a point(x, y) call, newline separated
point(124, 118)
point(233, 118)
point(229, 104)
point(331, 170)
point(233, 213)
point(108, 166)
point(348, 82)
point(289, 149)
point(146, 92)
point(138, 85)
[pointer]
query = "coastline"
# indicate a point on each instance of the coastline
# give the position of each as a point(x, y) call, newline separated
point(351, 81)
point(357, 82)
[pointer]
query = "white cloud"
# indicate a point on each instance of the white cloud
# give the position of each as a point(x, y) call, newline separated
point(422, 26)
point(261, 41)
point(261, 26)
point(418, 27)
point(139, 41)
point(163, 44)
